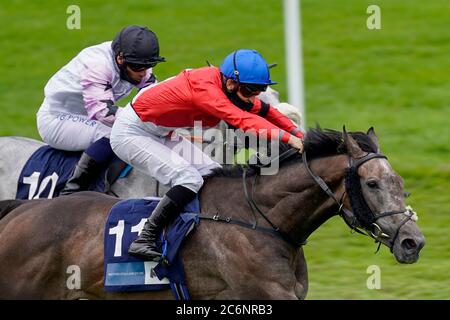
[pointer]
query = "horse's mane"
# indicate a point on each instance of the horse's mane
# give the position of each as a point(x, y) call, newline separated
point(318, 143)
point(6, 206)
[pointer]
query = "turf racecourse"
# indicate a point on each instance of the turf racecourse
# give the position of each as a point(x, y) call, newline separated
point(396, 79)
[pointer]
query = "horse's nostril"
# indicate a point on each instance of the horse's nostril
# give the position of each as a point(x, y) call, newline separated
point(409, 244)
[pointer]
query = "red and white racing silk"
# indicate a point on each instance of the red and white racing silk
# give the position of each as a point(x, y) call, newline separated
point(197, 95)
point(141, 134)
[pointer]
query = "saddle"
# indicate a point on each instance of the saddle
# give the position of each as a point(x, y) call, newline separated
point(47, 170)
point(123, 272)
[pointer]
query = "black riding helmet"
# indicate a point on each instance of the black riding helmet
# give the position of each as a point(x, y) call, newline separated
point(139, 47)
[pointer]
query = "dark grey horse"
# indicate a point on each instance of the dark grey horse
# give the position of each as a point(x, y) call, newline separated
point(40, 239)
point(15, 151)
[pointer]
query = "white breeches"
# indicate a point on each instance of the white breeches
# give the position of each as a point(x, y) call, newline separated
point(70, 132)
point(170, 160)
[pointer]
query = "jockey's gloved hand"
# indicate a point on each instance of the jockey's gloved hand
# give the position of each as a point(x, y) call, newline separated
point(296, 143)
point(112, 109)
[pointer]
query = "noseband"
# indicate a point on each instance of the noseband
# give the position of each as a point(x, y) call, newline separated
point(370, 227)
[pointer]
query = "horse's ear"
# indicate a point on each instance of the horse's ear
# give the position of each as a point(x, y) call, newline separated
point(353, 148)
point(373, 137)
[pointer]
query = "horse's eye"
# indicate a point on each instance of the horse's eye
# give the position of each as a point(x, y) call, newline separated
point(372, 184)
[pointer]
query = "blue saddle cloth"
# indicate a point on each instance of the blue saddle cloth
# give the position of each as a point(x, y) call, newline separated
point(123, 272)
point(46, 172)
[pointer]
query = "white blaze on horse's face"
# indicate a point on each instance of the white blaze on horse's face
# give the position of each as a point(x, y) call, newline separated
point(383, 191)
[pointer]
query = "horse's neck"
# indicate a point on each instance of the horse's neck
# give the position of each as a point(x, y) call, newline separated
point(291, 199)
point(307, 207)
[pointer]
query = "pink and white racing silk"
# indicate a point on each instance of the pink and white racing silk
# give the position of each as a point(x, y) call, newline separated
point(92, 76)
point(75, 110)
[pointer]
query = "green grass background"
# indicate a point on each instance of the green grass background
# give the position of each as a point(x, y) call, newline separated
point(396, 79)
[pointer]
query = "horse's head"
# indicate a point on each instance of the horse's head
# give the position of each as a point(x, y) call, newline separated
point(377, 199)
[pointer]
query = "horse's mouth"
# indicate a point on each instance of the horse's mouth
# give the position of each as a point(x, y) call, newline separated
point(407, 250)
point(407, 259)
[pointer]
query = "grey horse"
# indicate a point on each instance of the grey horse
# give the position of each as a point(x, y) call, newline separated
point(40, 239)
point(15, 151)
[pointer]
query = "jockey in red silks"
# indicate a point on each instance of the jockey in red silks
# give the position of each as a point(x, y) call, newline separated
point(142, 134)
point(79, 106)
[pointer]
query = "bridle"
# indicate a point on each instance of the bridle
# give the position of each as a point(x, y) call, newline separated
point(372, 230)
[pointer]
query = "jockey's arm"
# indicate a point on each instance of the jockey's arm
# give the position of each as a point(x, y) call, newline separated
point(98, 95)
point(213, 101)
point(274, 116)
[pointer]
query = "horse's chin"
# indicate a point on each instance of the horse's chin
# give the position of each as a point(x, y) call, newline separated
point(406, 258)
point(406, 255)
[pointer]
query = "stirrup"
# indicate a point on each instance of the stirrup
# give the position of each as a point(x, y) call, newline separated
point(156, 258)
point(142, 254)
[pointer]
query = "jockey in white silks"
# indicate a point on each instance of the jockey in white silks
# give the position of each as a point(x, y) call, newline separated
point(271, 97)
point(79, 106)
point(143, 134)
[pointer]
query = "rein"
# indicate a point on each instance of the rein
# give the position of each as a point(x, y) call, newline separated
point(255, 209)
point(348, 216)
point(248, 226)
point(274, 230)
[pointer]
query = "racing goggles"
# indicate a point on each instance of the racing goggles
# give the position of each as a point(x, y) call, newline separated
point(137, 67)
point(248, 89)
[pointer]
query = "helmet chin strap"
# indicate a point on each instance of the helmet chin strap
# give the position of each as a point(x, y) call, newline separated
point(234, 98)
point(123, 71)
point(125, 76)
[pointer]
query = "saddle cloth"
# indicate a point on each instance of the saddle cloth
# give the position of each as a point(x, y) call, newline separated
point(126, 273)
point(46, 172)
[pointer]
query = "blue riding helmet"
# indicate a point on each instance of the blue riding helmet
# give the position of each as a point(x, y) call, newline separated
point(246, 66)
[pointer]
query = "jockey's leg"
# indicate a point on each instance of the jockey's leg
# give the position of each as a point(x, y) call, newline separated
point(194, 155)
point(70, 132)
point(76, 133)
point(153, 155)
point(169, 207)
point(91, 163)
